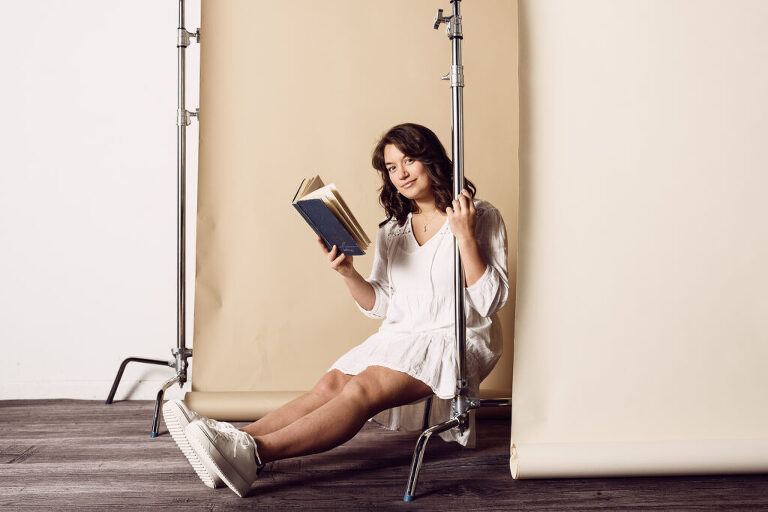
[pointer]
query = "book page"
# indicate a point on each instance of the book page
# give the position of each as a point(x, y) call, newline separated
point(330, 201)
point(339, 214)
point(347, 209)
point(310, 185)
point(347, 221)
point(329, 195)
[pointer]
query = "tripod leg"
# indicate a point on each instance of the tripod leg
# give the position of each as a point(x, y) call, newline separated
point(495, 402)
point(159, 402)
point(418, 453)
point(427, 412)
point(122, 369)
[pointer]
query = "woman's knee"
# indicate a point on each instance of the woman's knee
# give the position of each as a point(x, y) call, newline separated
point(362, 390)
point(379, 388)
point(331, 384)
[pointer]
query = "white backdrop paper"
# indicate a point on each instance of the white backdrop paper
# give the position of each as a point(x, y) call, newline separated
point(641, 340)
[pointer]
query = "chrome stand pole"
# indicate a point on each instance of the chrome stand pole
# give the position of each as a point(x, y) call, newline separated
point(183, 119)
point(462, 404)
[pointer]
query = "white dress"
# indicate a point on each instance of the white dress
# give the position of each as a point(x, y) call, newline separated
point(414, 288)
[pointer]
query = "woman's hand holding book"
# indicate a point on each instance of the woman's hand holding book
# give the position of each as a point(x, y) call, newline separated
point(340, 263)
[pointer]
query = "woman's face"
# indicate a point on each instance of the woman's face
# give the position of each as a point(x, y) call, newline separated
point(408, 175)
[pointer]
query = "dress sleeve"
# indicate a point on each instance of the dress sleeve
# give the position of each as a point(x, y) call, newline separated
point(489, 293)
point(379, 278)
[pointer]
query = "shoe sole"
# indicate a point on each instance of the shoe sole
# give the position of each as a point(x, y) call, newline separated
point(224, 469)
point(174, 415)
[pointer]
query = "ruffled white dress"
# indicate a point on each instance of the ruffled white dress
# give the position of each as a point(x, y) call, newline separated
point(414, 288)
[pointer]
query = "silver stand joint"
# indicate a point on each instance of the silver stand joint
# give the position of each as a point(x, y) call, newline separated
point(452, 24)
point(456, 76)
point(183, 36)
point(184, 117)
point(180, 360)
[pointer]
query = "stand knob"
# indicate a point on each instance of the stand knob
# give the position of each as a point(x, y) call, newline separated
point(438, 19)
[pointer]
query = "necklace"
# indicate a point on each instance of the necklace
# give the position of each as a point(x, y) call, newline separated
point(437, 211)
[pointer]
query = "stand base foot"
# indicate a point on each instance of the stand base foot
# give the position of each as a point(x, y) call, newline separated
point(159, 403)
point(180, 377)
point(456, 421)
point(418, 454)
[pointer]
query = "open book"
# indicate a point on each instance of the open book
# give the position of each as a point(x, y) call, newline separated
point(330, 217)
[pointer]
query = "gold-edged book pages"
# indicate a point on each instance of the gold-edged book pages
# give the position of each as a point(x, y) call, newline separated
point(313, 188)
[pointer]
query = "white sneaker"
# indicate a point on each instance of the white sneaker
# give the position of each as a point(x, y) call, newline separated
point(229, 452)
point(177, 416)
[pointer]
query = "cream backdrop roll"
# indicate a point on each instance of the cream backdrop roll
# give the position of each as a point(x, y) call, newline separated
point(641, 338)
point(293, 89)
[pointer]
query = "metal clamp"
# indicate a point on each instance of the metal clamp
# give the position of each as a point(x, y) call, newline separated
point(439, 18)
point(180, 362)
point(183, 35)
point(474, 403)
point(183, 117)
point(453, 30)
point(456, 76)
point(452, 24)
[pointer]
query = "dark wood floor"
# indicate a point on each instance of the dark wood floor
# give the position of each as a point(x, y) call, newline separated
point(84, 455)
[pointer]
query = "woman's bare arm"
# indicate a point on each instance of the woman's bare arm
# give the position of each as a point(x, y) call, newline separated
point(360, 289)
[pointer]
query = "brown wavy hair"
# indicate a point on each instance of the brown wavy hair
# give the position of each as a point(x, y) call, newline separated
point(419, 143)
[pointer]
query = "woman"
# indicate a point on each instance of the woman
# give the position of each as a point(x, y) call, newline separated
point(412, 356)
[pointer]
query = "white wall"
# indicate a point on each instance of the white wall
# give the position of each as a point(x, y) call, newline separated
point(88, 195)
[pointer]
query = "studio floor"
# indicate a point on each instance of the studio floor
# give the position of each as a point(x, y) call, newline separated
point(84, 455)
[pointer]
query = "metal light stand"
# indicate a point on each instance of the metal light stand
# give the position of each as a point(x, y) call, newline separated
point(462, 404)
point(181, 353)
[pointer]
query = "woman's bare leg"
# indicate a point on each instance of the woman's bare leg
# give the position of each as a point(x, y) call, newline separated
point(327, 388)
point(340, 418)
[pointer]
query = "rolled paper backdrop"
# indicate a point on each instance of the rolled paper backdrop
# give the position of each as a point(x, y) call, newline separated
point(249, 405)
point(641, 338)
point(238, 405)
point(646, 458)
point(294, 89)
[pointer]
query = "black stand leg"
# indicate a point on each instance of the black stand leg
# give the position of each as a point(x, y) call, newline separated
point(159, 402)
point(181, 377)
point(122, 369)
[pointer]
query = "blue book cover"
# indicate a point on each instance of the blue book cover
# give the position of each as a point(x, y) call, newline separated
point(327, 226)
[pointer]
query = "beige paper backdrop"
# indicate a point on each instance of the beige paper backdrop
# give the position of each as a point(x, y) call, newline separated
point(293, 89)
point(642, 344)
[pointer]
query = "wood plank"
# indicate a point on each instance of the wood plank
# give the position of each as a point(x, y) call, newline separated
point(84, 455)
